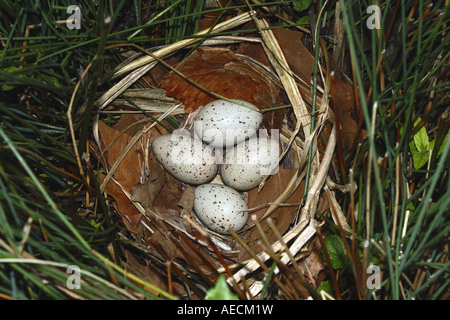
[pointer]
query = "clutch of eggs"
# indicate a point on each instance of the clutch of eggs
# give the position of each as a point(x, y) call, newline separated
point(220, 124)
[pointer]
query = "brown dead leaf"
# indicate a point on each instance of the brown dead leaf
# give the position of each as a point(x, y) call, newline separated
point(170, 193)
point(220, 71)
point(312, 269)
point(343, 106)
point(273, 187)
point(184, 251)
point(156, 74)
point(128, 172)
point(282, 217)
point(186, 202)
point(173, 218)
point(301, 62)
point(146, 193)
point(299, 59)
point(149, 272)
point(123, 206)
point(312, 265)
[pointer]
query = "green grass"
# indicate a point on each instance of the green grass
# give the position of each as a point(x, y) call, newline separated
point(41, 189)
point(410, 70)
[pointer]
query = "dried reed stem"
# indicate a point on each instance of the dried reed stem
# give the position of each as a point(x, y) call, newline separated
point(223, 26)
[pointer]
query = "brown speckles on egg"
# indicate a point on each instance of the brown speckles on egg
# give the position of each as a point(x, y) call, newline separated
point(180, 156)
point(218, 122)
point(228, 210)
point(246, 165)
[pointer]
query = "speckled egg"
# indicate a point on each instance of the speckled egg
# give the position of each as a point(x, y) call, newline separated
point(246, 165)
point(221, 123)
point(186, 158)
point(220, 207)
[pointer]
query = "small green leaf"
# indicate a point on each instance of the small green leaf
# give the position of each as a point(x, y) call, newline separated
point(325, 286)
point(410, 206)
point(300, 5)
point(336, 250)
point(220, 291)
point(95, 224)
point(10, 69)
point(419, 158)
point(420, 146)
point(421, 139)
point(303, 21)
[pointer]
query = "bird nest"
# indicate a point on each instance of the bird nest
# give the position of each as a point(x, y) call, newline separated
point(165, 244)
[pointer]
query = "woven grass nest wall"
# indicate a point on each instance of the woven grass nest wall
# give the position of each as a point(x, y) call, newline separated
point(157, 209)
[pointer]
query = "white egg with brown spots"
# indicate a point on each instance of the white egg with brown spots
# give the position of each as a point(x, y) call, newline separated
point(222, 123)
point(185, 158)
point(220, 207)
point(245, 166)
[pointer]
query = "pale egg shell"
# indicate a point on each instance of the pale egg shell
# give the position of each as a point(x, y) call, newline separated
point(221, 123)
point(246, 164)
point(220, 207)
point(186, 158)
